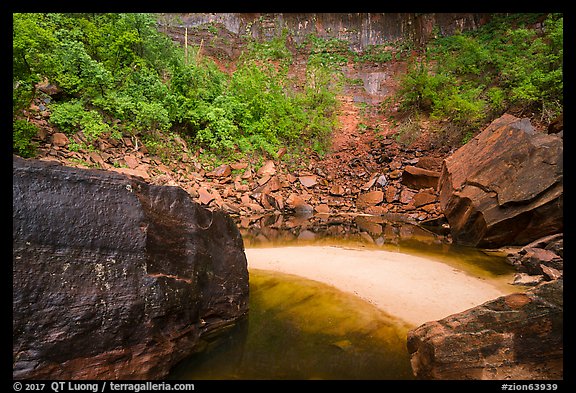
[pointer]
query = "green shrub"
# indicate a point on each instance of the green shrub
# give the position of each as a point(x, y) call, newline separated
point(469, 79)
point(23, 132)
point(119, 69)
point(67, 115)
point(71, 117)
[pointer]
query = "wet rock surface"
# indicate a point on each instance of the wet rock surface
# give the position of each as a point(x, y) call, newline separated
point(114, 278)
point(514, 337)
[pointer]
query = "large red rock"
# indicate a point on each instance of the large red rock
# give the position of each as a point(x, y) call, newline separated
point(114, 278)
point(513, 337)
point(505, 186)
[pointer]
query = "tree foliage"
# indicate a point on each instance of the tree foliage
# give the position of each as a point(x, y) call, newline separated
point(119, 74)
point(469, 79)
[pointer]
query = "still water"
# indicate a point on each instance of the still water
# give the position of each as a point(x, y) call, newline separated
point(303, 329)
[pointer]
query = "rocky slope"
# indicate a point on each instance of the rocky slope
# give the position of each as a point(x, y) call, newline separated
point(366, 170)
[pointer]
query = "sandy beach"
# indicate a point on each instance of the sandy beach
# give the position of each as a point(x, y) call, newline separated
point(412, 288)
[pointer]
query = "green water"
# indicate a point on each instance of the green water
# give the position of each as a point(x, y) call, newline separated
point(303, 329)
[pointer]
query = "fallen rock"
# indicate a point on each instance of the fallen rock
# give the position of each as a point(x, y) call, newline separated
point(430, 163)
point(131, 161)
point(514, 337)
point(370, 198)
point(551, 273)
point(139, 172)
point(114, 278)
point(308, 181)
point(205, 196)
point(542, 256)
point(505, 186)
point(368, 185)
point(418, 178)
point(97, 159)
point(298, 204)
point(223, 170)
point(406, 196)
point(59, 139)
point(269, 168)
point(395, 174)
point(391, 194)
point(337, 190)
point(322, 208)
point(424, 197)
point(377, 210)
point(239, 165)
point(527, 279)
point(535, 257)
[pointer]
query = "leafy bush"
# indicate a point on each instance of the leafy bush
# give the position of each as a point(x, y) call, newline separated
point(119, 69)
point(22, 143)
point(71, 116)
point(469, 79)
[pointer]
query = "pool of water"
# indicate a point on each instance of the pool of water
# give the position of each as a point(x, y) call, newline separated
point(378, 233)
point(303, 329)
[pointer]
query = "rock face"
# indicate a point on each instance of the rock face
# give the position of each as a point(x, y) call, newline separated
point(360, 29)
point(505, 186)
point(518, 336)
point(114, 278)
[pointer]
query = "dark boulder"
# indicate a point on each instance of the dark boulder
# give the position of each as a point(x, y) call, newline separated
point(114, 278)
point(505, 186)
point(518, 336)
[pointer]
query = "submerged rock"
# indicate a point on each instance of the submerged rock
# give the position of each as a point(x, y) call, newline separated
point(518, 336)
point(505, 186)
point(114, 278)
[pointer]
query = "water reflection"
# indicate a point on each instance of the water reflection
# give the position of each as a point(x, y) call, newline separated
point(393, 232)
point(392, 229)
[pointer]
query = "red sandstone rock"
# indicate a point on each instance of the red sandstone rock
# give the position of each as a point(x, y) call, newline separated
point(514, 337)
point(370, 198)
point(59, 139)
point(418, 178)
point(505, 186)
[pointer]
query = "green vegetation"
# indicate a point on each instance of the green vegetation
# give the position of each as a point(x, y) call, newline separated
point(471, 78)
point(23, 132)
point(120, 76)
